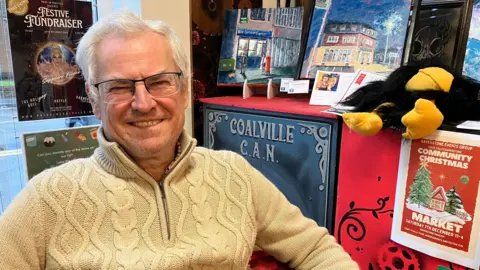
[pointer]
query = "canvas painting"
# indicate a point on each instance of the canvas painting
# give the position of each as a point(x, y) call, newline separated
point(260, 44)
point(472, 55)
point(346, 36)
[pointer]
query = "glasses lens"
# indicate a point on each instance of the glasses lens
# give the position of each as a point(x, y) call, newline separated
point(162, 85)
point(117, 91)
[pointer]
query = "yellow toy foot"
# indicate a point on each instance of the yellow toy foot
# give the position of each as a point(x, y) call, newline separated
point(432, 78)
point(424, 119)
point(368, 124)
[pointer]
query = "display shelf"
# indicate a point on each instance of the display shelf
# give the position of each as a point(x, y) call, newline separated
point(299, 106)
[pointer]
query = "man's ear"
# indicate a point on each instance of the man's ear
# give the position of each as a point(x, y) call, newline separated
point(93, 102)
point(186, 98)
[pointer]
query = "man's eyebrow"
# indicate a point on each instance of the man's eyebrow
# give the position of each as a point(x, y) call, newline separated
point(114, 76)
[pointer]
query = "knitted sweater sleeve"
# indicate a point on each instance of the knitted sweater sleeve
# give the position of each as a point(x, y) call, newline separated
point(286, 234)
point(21, 231)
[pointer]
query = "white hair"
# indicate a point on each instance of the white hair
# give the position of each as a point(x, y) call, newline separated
point(125, 22)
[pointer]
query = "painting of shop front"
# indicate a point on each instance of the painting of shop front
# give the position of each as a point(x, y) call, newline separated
point(472, 55)
point(346, 36)
point(260, 44)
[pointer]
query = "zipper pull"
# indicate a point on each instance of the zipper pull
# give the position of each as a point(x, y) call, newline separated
point(162, 190)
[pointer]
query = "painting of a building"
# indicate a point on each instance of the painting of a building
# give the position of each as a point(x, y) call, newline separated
point(345, 45)
point(346, 36)
point(472, 55)
point(259, 44)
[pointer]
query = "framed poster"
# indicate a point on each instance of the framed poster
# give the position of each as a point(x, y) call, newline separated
point(439, 34)
point(437, 199)
point(43, 39)
point(47, 149)
point(346, 36)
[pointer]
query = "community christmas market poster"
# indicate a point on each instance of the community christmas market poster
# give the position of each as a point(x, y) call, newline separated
point(43, 38)
point(436, 206)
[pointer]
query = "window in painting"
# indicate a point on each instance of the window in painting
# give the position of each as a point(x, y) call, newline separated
point(243, 15)
point(332, 39)
point(242, 47)
point(252, 47)
point(349, 39)
point(257, 14)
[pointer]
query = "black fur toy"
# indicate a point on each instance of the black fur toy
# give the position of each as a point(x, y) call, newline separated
point(414, 100)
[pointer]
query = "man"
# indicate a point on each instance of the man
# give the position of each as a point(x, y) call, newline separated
point(149, 198)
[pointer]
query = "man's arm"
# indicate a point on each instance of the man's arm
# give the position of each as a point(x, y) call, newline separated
point(20, 231)
point(291, 237)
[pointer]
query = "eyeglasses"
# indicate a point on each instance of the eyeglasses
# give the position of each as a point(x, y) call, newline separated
point(122, 90)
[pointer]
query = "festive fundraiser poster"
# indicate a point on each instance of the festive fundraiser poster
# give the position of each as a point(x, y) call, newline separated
point(43, 38)
point(436, 207)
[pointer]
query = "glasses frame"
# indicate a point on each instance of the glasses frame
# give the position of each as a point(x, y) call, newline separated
point(133, 89)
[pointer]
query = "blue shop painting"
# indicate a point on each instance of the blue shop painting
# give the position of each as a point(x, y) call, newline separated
point(348, 35)
point(472, 56)
point(259, 44)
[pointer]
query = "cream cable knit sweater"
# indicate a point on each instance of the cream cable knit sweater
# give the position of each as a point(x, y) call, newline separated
point(104, 212)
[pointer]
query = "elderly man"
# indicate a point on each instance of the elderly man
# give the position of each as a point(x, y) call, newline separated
point(148, 198)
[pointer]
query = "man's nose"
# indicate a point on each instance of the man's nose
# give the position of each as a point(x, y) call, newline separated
point(142, 100)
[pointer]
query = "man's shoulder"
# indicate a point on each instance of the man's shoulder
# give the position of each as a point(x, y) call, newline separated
point(203, 151)
point(224, 157)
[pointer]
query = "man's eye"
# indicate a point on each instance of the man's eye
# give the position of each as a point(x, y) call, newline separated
point(118, 89)
point(160, 83)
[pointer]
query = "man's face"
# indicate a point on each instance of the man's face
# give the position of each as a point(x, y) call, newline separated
point(144, 126)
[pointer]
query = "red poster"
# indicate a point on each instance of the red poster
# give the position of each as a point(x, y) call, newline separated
point(436, 209)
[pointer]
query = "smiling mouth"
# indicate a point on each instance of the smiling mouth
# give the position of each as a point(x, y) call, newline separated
point(146, 123)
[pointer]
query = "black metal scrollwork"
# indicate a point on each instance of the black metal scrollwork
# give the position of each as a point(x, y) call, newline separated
point(356, 230)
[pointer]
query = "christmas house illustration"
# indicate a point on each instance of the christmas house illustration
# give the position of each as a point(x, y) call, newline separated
point(423, 198)
point(439, 200)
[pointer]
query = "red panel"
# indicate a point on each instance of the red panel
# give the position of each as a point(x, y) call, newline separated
point(365, 198)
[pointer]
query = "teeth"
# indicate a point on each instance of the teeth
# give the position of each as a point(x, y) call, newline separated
point(145, 124)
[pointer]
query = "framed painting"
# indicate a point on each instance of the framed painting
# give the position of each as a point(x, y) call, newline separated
point(439, 34)
point(472, 55)
point(260, 44)
point(346, 36)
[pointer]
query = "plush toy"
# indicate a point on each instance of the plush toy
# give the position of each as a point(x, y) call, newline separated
point(414, 100)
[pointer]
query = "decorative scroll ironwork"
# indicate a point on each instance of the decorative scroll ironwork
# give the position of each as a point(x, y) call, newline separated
point(322, 148)
point(356, 229)
point(213, 119)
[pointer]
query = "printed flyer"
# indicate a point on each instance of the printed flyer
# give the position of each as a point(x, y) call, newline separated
point(43, 38)
point(362, 78)
point(47, 149)
point(436, 207)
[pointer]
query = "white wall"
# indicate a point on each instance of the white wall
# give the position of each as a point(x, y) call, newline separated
point(174, 12)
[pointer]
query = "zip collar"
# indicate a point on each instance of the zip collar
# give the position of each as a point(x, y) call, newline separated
point(115, 160)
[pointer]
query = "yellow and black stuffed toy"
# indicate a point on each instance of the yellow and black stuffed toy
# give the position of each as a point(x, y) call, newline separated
point(414, 100)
